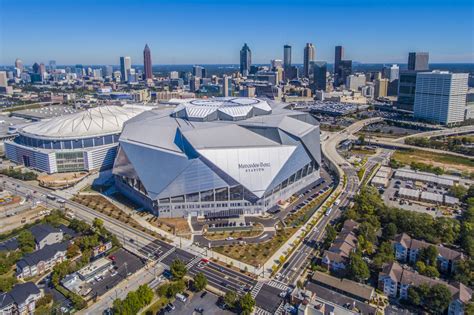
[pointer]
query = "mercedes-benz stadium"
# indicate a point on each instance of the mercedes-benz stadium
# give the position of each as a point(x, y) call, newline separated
point(83, 141)
point(217, 157)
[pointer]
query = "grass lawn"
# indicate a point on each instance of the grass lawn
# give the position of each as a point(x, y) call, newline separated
point(362, 151)
point(256, 230)
point(257, 254)
point(442, 160)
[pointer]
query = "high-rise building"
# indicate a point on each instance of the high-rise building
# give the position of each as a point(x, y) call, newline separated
point(276, 63)
point(440, 97)
point(338, 55)
point(42, 69)
point(392, 73)
point(381, 87)
point(3, 79)
point(319, 75)
point(174, 75)
point(198, 72)
point(147, 65)
point(194, 84)
point(19, 64)
point(245, 60)
point(355, 81)
point(309, 56)
point(418, 61)
point(52, 65)
point(342, 68)
point(125, 66)
point(36, 68)
point(406, 90)
point(97, 73)
point(286, 56)
point(226, 86)
point(108, 71)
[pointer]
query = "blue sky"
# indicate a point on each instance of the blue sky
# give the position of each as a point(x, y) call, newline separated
point(213, 31)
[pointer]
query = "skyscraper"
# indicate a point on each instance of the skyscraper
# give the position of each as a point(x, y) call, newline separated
point(52, 65)
point(392, 73)
point(147, 63)
point(19, 64)
point(309, 56)
point(286, 56)
point(440, 96)
point(3, 79)
point(418, 61)
point(36, 68)
point(245, 60)
point(198, 72)
point(339, 54)
point(125, 66)
point(319, 75)
point(381, 87)
point(226, 86)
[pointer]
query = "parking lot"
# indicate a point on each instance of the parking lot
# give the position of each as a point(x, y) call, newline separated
point(125, 264)
point(392, 197)
point(207, 303)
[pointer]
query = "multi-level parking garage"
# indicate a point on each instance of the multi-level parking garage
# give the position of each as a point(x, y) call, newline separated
point(86, 140)
point(224, 156)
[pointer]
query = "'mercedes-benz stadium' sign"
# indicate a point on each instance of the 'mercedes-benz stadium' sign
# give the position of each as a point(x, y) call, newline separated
point(254, 167)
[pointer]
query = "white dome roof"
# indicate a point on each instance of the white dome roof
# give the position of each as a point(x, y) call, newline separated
point(222, 108)
point(92, 122)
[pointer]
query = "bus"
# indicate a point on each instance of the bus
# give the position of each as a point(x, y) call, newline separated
point(328, 211)
point(51, 197)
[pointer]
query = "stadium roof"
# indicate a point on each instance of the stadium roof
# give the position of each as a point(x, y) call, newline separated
point(95, 121)
point(222, 108)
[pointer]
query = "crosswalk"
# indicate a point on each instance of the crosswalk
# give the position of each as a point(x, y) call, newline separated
point(193, 262)
point(166, 254)
point(261, 311)
point(278, 285)
point(280, 308)
point(256, 289)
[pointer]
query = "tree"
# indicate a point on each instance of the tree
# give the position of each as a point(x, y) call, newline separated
point(390, 231)
point(458, 191)
point(384, 255)
point(331, 235)
point(145, 293)
point(246, 304)
point(178, 269)
point(7, 283)
point(429, 255)
point(361, 139)
point(230, 299)
point(200, 281)
point(26, 241)
point(72, 251)
point(358, 269)
point(438, 299)
point(98, 224)
point(413, 296)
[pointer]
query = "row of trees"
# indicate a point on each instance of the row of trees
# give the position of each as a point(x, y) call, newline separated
point(18, 174)
point(134, 301)
point(454, 144)
point(434, 299)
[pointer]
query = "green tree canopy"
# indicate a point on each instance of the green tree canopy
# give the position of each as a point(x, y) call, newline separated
point(246, 304)
point(200, 281)
point(178, 269)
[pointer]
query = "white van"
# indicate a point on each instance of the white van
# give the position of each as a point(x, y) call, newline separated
point(181, 297)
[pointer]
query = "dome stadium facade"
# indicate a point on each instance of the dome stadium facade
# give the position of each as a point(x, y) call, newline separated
point(217, 157)
point(82, 141)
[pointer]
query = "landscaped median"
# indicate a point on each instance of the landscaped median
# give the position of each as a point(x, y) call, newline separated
point(218, 234)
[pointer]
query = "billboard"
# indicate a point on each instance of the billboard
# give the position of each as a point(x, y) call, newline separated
point(102, 248)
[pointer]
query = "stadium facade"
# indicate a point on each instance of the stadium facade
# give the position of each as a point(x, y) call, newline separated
point(82, 141)
point(217, 157)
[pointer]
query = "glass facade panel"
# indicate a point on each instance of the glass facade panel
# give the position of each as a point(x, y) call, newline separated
point(222, 194)
point(192, 197)
point(207, 195)
point(70, 161)
point(177, 199)
point(237, 193)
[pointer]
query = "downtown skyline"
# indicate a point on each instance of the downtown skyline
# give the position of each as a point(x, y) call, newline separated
point(82, 33)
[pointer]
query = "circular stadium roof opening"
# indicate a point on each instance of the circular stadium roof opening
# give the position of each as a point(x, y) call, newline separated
point(225, 108)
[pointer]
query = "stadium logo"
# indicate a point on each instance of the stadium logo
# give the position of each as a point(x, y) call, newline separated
point(254, 167)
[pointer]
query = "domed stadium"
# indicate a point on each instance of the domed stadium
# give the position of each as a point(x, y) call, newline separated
point(217, 157)
point(86, 140)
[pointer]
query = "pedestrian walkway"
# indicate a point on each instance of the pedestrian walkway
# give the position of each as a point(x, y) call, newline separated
point(193, 262)
point(256, 289)
point(261, 311)
point(279, 285)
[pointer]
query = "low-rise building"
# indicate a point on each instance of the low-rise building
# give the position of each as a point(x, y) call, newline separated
point(395, 280)
point(41, 260)
point(407, 250)
point(358, 291)
point(46, 234)
point(336, 257)
point(95, 268)
point(20, 300)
